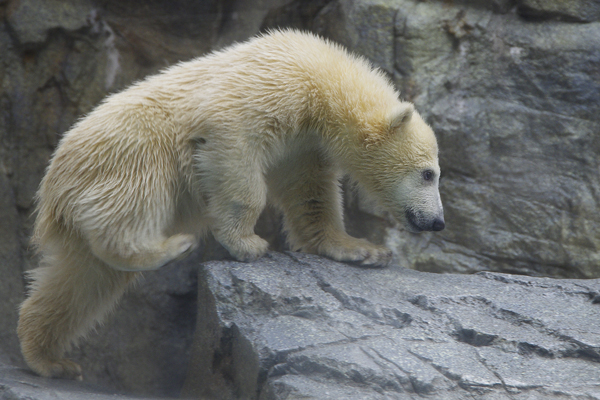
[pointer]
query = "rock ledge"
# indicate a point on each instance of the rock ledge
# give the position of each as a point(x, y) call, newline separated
point(297, 326)
point(300, 326)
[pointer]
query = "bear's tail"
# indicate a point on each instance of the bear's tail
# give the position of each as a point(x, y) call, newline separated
point(69, 293)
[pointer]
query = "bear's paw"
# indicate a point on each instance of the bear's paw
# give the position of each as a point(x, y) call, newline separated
point(248, 248)
point(360, 251)
point(65, 369)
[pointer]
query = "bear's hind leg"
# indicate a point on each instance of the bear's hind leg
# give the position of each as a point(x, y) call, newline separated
point(70, 292)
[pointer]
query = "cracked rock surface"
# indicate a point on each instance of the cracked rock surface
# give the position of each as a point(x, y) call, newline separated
point(296, 326)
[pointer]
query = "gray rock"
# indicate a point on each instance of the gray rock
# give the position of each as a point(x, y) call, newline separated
point(293, 326)
point(31, 20)
point(571, 10)
point(245, 19)
point(366, 27)
point(11, 281)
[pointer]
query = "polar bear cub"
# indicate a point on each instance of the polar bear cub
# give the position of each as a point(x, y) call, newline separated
point(202, 147)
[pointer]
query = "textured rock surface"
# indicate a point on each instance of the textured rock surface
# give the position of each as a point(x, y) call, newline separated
point(294, 326)
point(32, 20)
point(11, 281)
point(573, 10)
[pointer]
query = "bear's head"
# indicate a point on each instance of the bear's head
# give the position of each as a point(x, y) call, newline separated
point(400, 168)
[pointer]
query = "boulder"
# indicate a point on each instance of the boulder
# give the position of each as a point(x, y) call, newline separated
point(292, 326)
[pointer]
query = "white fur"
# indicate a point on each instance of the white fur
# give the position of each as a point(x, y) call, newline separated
point(203, 146)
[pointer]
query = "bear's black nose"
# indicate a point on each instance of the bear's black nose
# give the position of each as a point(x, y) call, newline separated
point(438, 224)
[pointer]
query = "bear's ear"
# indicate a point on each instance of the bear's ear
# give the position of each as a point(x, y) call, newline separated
point(401, 116)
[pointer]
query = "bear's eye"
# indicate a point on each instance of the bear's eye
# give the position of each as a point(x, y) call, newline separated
point(428, 175)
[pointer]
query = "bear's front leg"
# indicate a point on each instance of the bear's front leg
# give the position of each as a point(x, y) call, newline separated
point(236, 197)
point(308, 192)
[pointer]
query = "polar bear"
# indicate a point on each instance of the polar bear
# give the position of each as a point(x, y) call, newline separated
point(201, 147)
